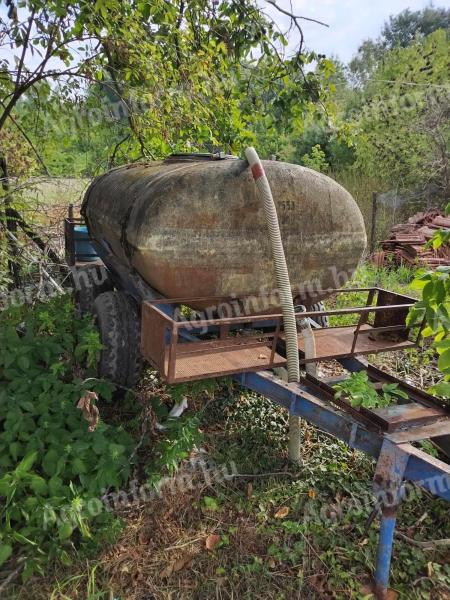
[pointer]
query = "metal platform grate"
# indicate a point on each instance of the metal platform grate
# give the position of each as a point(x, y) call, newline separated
point(339, 342)
point(183, 350)
point(207, 360)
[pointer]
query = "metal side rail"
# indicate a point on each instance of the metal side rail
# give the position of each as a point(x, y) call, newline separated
point(437, 430)
point(397, 461)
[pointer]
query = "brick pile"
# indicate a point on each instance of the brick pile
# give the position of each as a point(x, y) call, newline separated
point(407, 242)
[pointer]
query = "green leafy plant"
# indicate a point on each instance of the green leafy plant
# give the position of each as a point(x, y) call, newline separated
point(175, 443)
point(316, 159)
point(433, 309)
point(51, 465)
point(401, 134)
point(360, 392)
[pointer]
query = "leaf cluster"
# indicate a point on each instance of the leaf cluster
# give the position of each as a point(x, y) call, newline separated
point(361, 393)
point(51, 466)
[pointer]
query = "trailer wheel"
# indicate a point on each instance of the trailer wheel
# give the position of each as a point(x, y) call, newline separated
point(322, 321)
point(88, 283)
point(118, 320)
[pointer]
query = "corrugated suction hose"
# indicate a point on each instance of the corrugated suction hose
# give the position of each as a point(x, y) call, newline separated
point(281, 270)
point(284, 286)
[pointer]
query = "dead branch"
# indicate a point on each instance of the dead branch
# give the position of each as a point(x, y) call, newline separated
point(46, 274)
point(13, 575)
point(295, 17)
point(295, 21)
point(43, 246)
point(429, 545)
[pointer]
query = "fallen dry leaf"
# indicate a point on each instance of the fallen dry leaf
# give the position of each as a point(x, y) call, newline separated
point(317, 582)
point(364, 542)
point(182, 562)
point(249, 489)
point(167, 571)
point(176, 565)
point(282, 512)
point(89, 409)
point(212, 541)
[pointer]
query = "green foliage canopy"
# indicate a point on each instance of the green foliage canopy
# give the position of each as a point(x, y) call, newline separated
point(172, 75)
point(402, 126)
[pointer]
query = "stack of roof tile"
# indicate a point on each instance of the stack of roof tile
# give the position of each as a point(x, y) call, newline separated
point(407, 242)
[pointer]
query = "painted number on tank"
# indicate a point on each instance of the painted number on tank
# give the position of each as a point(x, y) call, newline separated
point(287, 205)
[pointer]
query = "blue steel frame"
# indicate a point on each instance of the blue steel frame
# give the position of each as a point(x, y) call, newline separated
point(396, 462)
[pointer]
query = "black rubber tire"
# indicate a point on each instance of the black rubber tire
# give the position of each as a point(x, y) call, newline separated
point(118, 320)
point(88, 283)
point(322, 321)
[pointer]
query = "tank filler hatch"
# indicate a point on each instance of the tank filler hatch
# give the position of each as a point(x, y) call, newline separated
point(196, 156)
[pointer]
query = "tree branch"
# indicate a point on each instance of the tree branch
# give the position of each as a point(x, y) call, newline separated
point(25, 48)
point(10, 224)
point(43, 246)
point(295, 17)
point(119, 92)
point(116, 147)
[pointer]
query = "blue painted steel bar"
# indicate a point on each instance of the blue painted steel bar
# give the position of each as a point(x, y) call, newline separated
point(390, 471)
point(387, 482)
point(353, 364)
point(427, 471)
point(384, 553)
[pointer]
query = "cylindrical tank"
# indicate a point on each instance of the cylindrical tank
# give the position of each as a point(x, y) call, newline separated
point(194, 227)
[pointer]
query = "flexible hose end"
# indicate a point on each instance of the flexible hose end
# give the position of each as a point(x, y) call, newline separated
point(255, 164)
point(252, 156)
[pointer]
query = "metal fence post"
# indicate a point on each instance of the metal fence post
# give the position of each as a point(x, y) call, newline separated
point(373, 224)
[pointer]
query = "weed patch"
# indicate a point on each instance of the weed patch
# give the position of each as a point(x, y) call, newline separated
point(53, 470)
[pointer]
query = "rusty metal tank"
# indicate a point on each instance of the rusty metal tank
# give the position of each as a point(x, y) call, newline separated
point(195, 227)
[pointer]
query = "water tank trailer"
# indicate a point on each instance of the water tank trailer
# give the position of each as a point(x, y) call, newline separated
point(185, 278)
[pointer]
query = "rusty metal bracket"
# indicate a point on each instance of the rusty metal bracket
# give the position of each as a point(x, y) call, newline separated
point(389, 473)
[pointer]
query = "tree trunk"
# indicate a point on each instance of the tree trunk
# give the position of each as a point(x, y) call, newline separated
point(11, 225)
